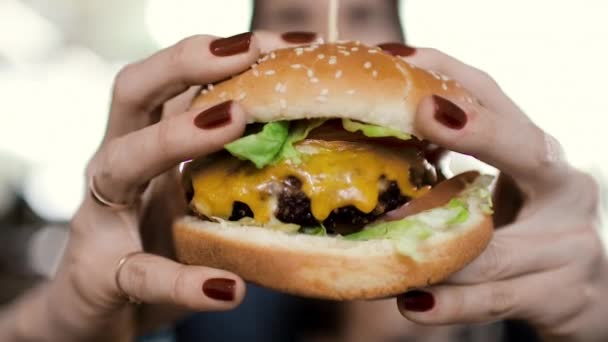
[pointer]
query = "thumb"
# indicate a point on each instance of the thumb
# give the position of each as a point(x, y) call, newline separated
point(156, 280)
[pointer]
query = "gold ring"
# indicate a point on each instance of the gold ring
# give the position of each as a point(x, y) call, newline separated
point(119, 266)
point(102, 200)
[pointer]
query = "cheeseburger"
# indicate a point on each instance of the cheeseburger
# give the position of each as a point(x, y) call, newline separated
point(331, 193)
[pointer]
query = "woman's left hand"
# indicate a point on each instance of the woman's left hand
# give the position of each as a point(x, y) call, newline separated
point(548, 266)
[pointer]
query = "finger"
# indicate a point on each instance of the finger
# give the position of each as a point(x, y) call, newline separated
point(141, 88)
point(128, 162)
point(503, 257)
point(515, 146)
point(529, 297)
point(272, 41)
point(155, 280)
point(482, 85)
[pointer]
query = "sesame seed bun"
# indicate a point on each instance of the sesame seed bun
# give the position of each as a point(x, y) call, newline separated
point(347, 80)
point(341, 80)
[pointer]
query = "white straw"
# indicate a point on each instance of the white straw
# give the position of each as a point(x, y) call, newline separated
point(332, 21)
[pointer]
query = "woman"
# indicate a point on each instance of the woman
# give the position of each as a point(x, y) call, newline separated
point(547, 267)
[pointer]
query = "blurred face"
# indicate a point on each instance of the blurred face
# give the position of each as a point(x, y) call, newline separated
point(371, 22)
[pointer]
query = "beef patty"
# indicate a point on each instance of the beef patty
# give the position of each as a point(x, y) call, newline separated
point(294, 207)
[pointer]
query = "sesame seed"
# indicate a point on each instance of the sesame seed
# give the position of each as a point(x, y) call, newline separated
point(338, 74)
point(324, 91)
point(320, 56)
point(299, 51)
point(296, 66)
point(444, 77)
point(357, 42)
point(341, 47)
point(354, 49)
point(345, 53)
point(269, 72)
point(256, 73)
point(204, 91)
point(314, 80)
point(372, 51)
point(242, 96)
point(310, 73)
point(367, 65)
point(350, 91)
point(400, 68)
point(321, 98)
point(280, 88)
point(444, 86)
point(273, 55)
point(210, 87)
point(374, 74)
point(223, 94)
point(283, 103)
point(435, 74)
point(332, 60)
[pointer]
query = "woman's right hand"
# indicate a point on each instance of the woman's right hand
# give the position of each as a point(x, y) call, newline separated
point(135, 167)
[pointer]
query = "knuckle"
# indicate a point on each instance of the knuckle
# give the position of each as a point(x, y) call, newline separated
point(593, 247)
point(136, 277)
point(180, 287)
point(590, 192)
point(501, 300)
point(124, 91)
point(495, 261)
point(550, 155)
point(104, 170)
point(183, 51)
point(166, 140)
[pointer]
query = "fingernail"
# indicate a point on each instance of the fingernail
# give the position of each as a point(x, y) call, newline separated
point(299, 37)
point(397, 49)
point(417, 300)
point(219, 288)
point(214, 117)
point(448, 113)
point(231, 45)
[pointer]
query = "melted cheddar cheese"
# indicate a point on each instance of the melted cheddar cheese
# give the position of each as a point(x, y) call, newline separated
point(333, 174)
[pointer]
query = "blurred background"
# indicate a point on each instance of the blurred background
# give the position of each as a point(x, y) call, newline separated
point(58, 59)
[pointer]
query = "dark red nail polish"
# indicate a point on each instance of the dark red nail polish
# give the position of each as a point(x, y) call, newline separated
point(416, 300)
point(448, 113)
point(214, 117)
point(299, 37)
point(397, 49)
point(231, 45)
point(219, 288)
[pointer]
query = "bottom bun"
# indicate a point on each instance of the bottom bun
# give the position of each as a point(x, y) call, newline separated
point(329, 267)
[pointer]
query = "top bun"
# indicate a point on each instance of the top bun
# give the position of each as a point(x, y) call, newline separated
point(345, 79)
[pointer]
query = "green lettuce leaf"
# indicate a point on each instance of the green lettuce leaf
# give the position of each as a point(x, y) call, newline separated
point(373, 131)
point(275, 142)
point(393, 230)
point(406, 233)
point(319, 231)
point(297, 133)
point(263, 147)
